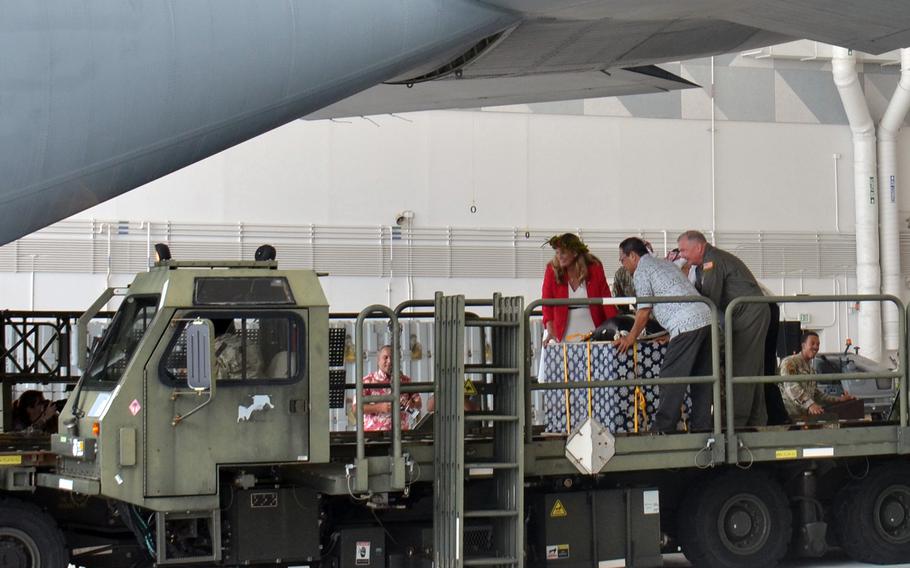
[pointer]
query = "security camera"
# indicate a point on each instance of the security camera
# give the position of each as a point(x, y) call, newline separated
point(404, 217)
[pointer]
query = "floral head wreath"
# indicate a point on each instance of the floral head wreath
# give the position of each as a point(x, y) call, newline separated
point(568, 241)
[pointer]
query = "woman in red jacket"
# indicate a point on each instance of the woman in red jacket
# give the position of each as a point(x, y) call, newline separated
point(574, 273)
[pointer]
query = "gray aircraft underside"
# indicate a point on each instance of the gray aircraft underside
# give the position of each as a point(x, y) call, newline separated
point(100, 97)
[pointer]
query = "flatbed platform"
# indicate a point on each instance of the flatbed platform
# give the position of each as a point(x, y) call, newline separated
point(26, 449)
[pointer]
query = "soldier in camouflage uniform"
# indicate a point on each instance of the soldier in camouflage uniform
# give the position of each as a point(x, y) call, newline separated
point(802, 399)
point(230, 356)
point(623, 288)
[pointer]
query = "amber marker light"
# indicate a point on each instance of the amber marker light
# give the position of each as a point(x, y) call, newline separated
point(96, 428)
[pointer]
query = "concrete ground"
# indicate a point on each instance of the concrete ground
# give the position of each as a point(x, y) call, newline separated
point(832, 560)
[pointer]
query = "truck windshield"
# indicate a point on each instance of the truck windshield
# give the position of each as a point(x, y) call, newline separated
point(126, 330)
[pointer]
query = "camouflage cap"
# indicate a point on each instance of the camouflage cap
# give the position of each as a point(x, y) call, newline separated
point(568, 241)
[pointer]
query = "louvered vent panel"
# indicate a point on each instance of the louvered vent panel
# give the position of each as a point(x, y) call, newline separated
point(431, 261)
point(8, 258)
point(54, 254)
point(381, 251)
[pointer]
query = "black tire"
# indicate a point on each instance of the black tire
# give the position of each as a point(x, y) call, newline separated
point(740, 519)
point(872, 516)
point(29, 537)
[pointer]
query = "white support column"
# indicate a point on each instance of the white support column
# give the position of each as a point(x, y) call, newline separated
point(888, 210)
point(865, 187)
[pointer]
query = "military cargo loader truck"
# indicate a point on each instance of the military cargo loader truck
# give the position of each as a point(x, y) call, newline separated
point(198, 434)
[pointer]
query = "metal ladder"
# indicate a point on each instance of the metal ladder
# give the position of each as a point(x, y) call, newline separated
point(395, 465)
point(506, 512)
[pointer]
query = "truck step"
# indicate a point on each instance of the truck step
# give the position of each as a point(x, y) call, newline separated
point(489, 322)
point(484, 369)
point(491, 465)
point(490, 561)
point(490, 418)
point(490, 513)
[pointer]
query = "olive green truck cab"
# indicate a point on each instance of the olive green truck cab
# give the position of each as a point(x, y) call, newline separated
point(135, 430)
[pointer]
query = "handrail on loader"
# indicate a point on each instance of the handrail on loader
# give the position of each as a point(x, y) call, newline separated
point(731, 381)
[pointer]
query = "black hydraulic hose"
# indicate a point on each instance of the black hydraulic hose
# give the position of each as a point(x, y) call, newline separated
point(127, 513)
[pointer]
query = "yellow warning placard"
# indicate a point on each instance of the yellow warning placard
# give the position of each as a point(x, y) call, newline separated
point(10, 460)
point(469, 388)
point(785, 454)
point(558, 510)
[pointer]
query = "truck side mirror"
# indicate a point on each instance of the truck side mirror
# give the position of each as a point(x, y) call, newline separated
point(199, 354)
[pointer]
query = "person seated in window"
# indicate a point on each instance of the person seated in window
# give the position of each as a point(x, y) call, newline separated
point(232, 361)
point(377, 416)
point(34, 413)
point(804, 400)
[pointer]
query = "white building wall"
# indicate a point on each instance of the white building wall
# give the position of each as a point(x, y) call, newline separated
point(519, 170)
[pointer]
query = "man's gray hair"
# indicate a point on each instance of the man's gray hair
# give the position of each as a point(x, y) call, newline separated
point(696, 236)
point(383, 348)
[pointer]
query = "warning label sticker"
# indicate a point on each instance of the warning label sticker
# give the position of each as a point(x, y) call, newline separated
point(651, 502)
point(558, 510)
point(785, 454)
point(469, 388)
point(557, 551)
point(362, 553)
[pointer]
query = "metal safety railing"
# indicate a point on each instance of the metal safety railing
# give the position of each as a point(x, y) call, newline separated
point(361, 464)
point(714, 379)
point(731, 380)
point(394, 385)
point(38, 346)
point(400, 312)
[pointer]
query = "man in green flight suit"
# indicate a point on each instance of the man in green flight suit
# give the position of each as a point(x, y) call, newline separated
point(722, 276)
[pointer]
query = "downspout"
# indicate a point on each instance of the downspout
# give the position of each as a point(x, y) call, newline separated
point(868, 275)
point(888, 208)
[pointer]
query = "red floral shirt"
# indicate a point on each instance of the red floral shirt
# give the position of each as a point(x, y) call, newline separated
point(382, 421)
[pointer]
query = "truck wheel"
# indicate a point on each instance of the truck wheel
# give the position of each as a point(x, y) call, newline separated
point(737, 520)
point(872, 516)
point(29, 537)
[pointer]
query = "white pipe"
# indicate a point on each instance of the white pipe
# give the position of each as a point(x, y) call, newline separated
point(107, 274)
point(888, 206)
point(31, 294)
point(868, 276)
point(846, 305)
point(391, 263)
point(411, 265)
point(147, 225)
point(837, 292)
point(836, 157)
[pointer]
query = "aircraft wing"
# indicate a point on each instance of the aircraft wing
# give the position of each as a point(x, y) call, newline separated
point(573, 49)
point(872, 26)
point(454, 93)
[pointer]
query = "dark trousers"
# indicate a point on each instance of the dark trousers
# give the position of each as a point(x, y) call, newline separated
point(688, 354)
point(750, 326)
point(774, 402)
